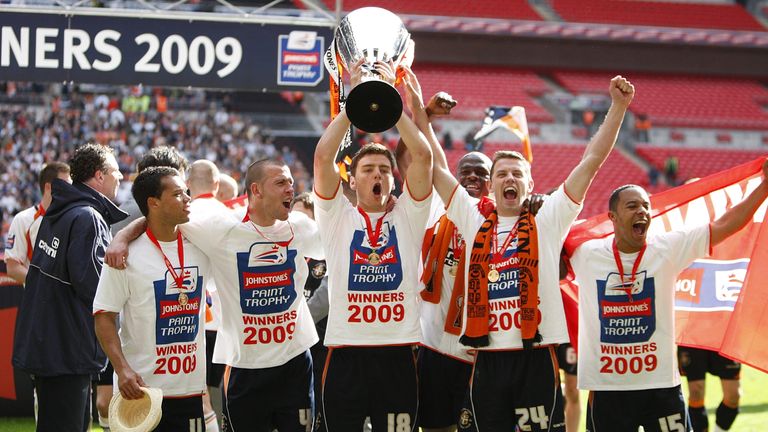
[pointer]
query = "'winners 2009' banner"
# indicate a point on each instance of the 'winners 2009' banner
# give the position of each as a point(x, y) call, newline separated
point(720, 300)
point(115, 47)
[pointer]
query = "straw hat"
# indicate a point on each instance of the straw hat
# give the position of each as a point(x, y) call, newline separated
point(138, 415)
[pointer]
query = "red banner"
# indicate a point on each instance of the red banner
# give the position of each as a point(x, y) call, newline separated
point(708, 291)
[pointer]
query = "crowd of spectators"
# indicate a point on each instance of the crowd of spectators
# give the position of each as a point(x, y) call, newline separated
point(42, 123)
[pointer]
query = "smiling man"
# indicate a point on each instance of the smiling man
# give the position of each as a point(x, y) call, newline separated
point(626, 311)
point(266, 330)
point(514, 313)
point(373, 264)
point(160, 298)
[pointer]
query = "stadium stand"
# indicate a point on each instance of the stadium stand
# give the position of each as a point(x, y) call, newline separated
point(697, 162)
point(505, 9)
point(686, 101)
point(727, 16)
point(479, 87)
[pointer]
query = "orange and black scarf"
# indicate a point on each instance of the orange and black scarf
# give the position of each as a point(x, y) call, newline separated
point(434, 250)
point(478, 311)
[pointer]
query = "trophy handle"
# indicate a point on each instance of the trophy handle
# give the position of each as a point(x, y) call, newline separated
point(374, 106)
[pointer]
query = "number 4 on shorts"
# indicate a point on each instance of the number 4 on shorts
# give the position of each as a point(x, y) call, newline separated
point(537, 415)
point(672, 423)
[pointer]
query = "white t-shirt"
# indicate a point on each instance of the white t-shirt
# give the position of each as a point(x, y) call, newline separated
point(372, 304)
point(265, 321)
point(627, 340)
point(161, 334)
point(433, 315)
point(209, 207)
point(16, 246)
point(553, 220)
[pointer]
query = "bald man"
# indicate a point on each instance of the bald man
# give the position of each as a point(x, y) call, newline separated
point(203, 179)
point(227, 188)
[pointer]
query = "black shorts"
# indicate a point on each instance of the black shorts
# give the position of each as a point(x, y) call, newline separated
point(182, 414)
point(517, 388)
point(375, 382)
point(105, 378)
point(695, 363)
point(214, 371)
point(443, 385)
point(656, 410)
point(262, 400)
point(567, 358)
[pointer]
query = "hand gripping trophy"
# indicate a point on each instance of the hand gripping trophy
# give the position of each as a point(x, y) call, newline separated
point(373, 34)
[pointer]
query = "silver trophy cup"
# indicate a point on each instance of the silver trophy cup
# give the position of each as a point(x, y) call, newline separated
point(373, 34)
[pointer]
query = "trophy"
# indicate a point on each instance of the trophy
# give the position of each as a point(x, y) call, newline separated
point(374, 34)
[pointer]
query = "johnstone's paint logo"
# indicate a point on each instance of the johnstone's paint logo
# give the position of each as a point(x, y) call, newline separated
point(710, 285)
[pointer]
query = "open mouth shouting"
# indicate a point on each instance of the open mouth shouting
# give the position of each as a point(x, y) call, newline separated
point(640, 228)
point(510, 193)
point(287, 203)
point(377, 190)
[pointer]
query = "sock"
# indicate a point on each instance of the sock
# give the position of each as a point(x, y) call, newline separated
point(698, 416)
point(211, 422)
point(725, 416)
point(104, 422)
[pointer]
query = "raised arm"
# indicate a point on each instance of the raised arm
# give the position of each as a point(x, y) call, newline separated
point(739, 215)
point(128, 381)
point(600, 146)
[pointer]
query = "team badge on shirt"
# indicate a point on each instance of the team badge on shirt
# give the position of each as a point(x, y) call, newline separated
point(385, 272)
point(266, 278)
point(178, 307)
point(10, 241)
point(627, 308)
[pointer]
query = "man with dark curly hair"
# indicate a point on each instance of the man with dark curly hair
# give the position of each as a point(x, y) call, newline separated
point(55, 340)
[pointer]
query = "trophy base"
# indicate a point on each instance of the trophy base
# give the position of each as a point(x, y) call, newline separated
point(374, 106)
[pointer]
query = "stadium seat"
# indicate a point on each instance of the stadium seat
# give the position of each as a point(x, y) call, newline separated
point(506, 9)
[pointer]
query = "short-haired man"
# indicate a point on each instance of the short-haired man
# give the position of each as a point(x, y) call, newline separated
point(20, 241)
point(156, 156)
point(54, 339)
point(514, 314)
point(626, 311)
point(203, 181)
point(160, 297)
point(373, 265)
point(227, 188)
point(266, 328)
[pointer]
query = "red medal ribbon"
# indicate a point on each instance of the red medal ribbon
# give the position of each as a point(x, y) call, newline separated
point(205, 195)
point(178, 278)
point(373, 235)
point(635, 266)
point(282, 243)
point(498, 253)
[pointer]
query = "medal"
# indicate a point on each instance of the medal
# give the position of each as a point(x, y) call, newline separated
point(183, 299)
point(452, 270)
point(493, 275)
point(373, 236)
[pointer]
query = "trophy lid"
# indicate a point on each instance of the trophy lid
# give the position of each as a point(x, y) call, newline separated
point(372, 33)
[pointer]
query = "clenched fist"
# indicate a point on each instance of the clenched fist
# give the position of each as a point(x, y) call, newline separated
point(621, 90)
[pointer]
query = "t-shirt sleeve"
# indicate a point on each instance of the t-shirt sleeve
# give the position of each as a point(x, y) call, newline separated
point(306, 230)
point(329, 212)
point(112, 292)
point(463, 212)
point(205, 229)
point(15, 241)
point(558, 212)
point(682, 247)
point(418, 213)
